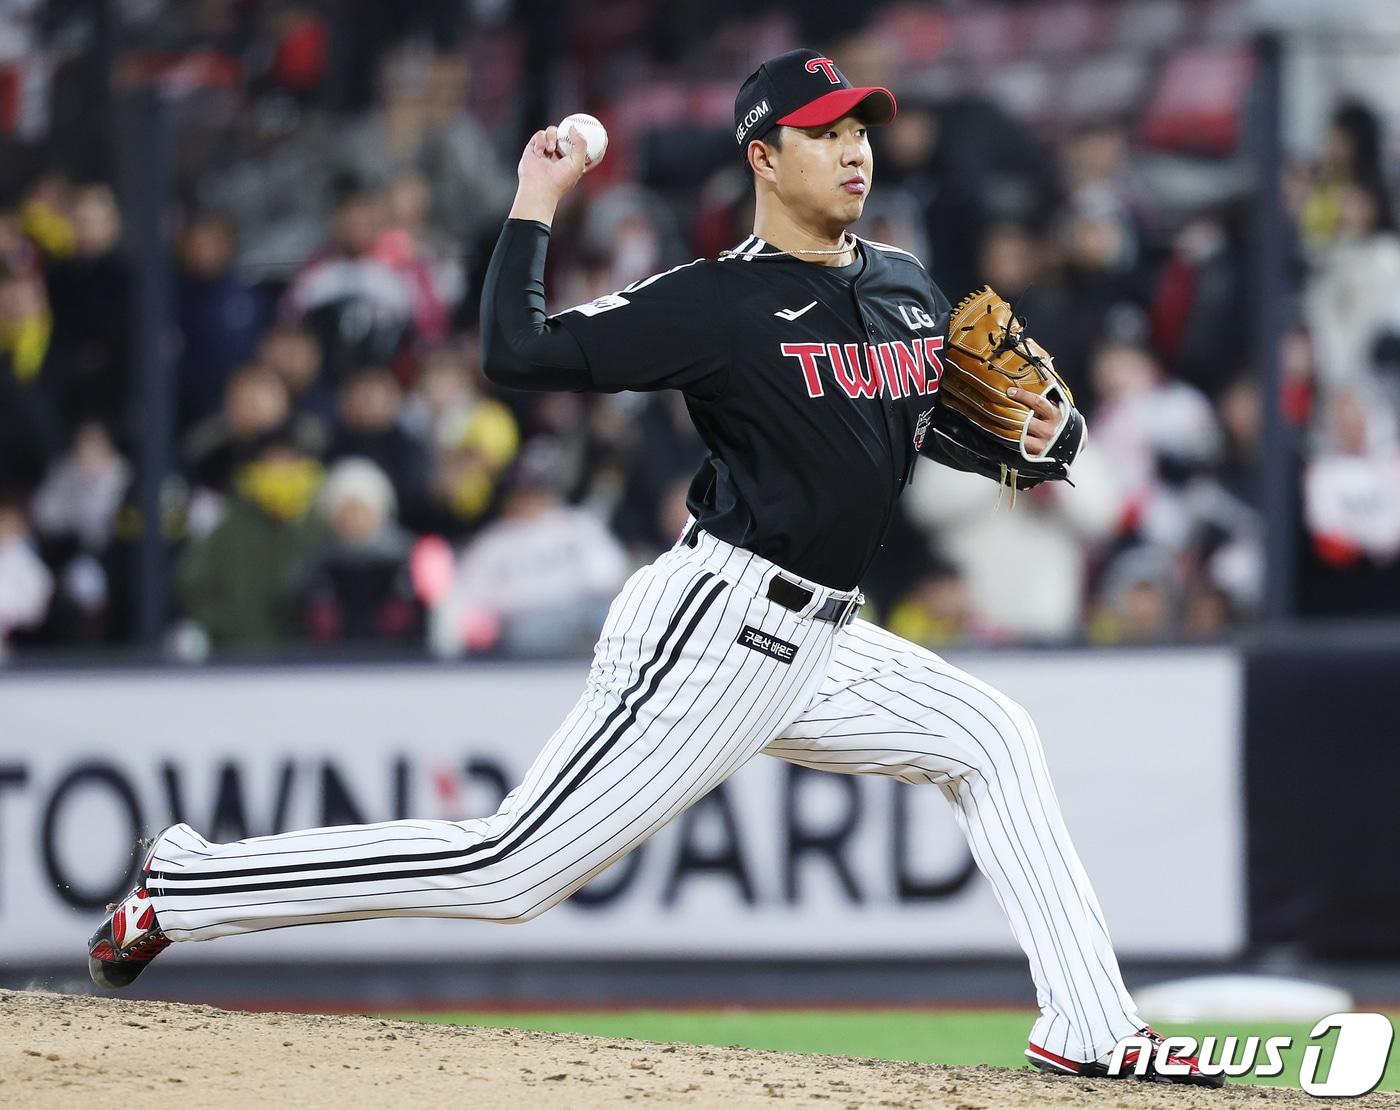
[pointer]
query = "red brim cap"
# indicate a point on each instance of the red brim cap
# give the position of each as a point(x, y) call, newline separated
point(878, 106)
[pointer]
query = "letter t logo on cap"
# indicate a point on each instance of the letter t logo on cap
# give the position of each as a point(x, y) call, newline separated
point(827, 66)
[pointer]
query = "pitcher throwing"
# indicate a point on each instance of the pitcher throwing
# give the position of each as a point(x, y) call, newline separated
point(814, 366)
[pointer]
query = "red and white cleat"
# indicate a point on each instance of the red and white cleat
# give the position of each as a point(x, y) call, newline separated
point(127, 940)
point(1186, 1069)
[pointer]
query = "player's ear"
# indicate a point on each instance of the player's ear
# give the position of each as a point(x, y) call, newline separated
point(760, 156)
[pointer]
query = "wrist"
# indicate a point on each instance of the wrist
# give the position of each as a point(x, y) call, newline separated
point(534, 204)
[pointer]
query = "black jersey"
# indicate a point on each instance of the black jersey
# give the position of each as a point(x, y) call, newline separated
point(810, 390)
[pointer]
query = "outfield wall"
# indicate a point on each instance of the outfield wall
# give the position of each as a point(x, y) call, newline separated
point(781, 863)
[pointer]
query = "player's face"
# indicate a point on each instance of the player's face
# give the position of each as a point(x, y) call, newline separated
point(824, 173)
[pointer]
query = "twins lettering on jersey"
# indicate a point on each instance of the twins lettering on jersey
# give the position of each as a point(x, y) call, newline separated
point(895, 369)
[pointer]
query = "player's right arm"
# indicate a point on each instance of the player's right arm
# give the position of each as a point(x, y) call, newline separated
point(664, 332)
point(520, 346)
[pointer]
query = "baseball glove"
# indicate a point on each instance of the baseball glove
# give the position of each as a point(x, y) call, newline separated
point(976, 426)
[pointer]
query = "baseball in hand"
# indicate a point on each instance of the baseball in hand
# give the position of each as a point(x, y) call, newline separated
point(595, 137)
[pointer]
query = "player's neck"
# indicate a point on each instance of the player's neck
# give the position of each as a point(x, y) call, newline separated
point(784, 232)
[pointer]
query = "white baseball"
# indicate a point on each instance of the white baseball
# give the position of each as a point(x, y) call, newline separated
point(595, 136)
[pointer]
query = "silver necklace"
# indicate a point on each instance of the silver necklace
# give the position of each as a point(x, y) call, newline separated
point(848, 240)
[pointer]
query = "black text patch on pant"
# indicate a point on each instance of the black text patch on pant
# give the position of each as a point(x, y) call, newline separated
point(780, 650)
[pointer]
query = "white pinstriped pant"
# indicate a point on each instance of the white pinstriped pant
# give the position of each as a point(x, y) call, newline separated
point(674, 705)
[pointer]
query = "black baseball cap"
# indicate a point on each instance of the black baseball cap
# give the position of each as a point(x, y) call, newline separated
point(803, 89)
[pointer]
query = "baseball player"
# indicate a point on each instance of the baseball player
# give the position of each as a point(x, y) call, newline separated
point(811, 362)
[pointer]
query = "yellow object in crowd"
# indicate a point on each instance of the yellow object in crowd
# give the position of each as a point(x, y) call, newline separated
point(282, 488)
point(484, 440)
point(470, 494)
point(489, 432)
point(912, 621)
point(1321, 212)
point(27, 343)
point(51, 231)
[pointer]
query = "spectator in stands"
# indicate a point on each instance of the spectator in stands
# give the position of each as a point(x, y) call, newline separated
point(359, 305)
point(46, 220)
point(1241, 417)
point(538, 581)
point(276, 190)
point(90, 295)
point(300, 50)
point(422, 123)
point(1200, 303)
point(31, 432)
point(937, 612)
point(1184, 501)
point(1010, 260)
point(26, 331)
point(1351, 153)
point(1096, 167)
point(1126, 377)
point(1208, 615)
point(471, 439)
point(1136, 603)
point(428, 257)
point(1014, 260)
point(972, 529)
point(1165, 444)
point(1092, 294)
point(219, 315)
point(368, 410)
point(624, 234)
point(293, 353)
point(80, 496)
point(895, 217)
point(25, 583)
point(956, 161)
point(256, 404)
point(371, 29)
point(449, 387)
point(1351, 507)
point(75, 513)
point(241, 583)
point(1355, 292)
point(358, 586)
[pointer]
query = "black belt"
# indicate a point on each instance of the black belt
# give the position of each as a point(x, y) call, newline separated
point(792, 595)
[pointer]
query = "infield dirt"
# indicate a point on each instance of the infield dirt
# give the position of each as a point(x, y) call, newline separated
point(78, 1052)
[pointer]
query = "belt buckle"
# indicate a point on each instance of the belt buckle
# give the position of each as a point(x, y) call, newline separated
point(849, 609)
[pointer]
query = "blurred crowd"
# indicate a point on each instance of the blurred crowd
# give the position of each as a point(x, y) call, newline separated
point(345, 476)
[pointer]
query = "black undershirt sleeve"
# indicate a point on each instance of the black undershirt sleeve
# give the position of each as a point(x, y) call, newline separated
point(521, 346)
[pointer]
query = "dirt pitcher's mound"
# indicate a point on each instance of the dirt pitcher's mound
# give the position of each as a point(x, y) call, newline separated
point(65, 1051)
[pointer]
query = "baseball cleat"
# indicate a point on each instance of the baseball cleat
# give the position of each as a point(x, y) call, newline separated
point(128, 939)
point(1048, 1061)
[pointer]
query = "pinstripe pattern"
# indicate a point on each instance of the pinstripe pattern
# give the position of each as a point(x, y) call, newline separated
point(889, 707)
point(672, 707)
